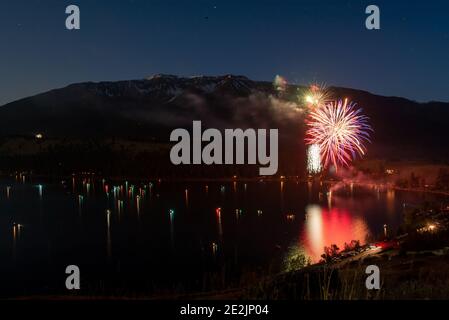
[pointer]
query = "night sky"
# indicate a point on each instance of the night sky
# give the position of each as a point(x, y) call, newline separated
point(305, 41)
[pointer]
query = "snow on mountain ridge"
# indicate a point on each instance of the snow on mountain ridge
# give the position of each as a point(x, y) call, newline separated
point(168, 86)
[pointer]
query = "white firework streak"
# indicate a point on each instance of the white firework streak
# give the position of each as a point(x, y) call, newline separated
point(314, 159)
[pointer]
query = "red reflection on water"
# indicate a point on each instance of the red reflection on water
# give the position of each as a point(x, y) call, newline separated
point(324, 227)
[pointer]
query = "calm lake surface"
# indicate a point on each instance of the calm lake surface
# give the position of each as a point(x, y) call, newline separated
point(155, 237)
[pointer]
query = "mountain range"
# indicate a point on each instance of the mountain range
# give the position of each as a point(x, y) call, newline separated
point(147, 110)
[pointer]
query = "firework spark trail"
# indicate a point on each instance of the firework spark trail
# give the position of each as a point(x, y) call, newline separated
point(317, 95)
point(314, 159)
point(280, 83)
point(340, 130)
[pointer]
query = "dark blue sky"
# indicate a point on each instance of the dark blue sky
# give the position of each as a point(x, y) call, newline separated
point(305, 41)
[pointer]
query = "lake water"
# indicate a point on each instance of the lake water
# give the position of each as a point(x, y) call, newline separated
point(161, 237)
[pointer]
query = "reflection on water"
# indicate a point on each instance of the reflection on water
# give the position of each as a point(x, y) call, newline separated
point(220, 227)
point(138, 205)
point(324, 227)
point(128, 228)
point(390, 201)
point(108, 237)
point(282, 196)
point(80, 204)
point(14, 244)
point(40, 188)
point(171, 213)
point(309, 189)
